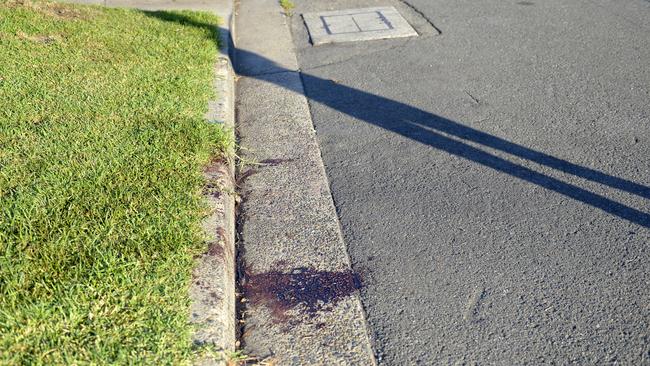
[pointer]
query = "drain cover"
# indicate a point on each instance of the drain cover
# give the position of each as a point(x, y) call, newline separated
point(357, 25)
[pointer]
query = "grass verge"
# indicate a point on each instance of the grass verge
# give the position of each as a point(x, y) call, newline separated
point(102, 141)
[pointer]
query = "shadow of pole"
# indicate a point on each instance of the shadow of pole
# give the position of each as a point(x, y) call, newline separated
point(426, 128)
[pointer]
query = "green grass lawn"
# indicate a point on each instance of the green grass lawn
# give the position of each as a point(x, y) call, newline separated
point(102, 143)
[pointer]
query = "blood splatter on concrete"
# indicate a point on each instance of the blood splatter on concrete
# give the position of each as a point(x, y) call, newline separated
point(314, 290)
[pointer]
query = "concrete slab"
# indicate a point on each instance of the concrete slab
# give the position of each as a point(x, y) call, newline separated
point(302, 304)
point(260, 23)
point(357, 25)
point(289, 226)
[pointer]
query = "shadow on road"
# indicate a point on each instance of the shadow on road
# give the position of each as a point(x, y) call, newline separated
point(426, 128)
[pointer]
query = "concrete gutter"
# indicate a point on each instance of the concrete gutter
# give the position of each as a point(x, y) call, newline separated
point(212, 290)
point(301, 296)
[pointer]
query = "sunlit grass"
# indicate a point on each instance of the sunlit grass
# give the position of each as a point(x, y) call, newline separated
point(102, 140)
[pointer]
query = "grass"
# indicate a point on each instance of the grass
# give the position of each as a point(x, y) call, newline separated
point(288, 6)
point(102, 143)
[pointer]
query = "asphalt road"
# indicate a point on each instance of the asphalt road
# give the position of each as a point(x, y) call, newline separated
point(493, 181)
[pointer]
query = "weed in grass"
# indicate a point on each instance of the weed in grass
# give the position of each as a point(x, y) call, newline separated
point(288, 6)
point(102, 143)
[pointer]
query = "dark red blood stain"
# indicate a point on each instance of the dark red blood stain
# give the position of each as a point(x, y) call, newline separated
point(314, 290)
point(216, 250)
point(211, 189)
point(245, 175)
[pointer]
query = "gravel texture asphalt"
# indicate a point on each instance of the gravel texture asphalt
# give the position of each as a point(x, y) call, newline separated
point(493, 181)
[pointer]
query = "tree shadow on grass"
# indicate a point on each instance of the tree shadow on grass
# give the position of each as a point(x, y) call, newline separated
point(427, 128)
point(213, 30)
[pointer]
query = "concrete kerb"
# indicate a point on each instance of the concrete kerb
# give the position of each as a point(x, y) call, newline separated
point(213, 285)
point(212, 291)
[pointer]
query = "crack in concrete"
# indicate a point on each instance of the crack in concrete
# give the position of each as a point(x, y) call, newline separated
point(421, 14)
point(473, 98)
point(266, 73)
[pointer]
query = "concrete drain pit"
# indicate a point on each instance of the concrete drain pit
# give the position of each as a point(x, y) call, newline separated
point(357, 25)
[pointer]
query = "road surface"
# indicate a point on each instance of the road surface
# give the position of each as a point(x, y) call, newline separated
point(493, 181)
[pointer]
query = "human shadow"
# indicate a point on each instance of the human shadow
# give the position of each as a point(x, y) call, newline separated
point(428, 128)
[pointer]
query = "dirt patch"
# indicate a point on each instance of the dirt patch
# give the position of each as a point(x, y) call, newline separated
point(60, 11)
point(63, 12)
point(312, 289)
point(44, 39)
point(217, 166)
